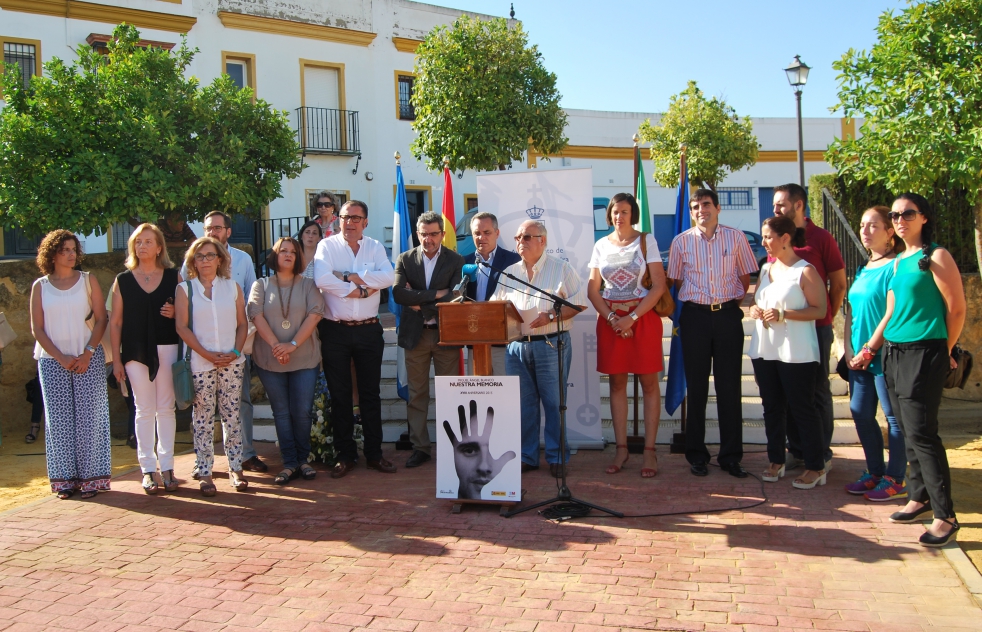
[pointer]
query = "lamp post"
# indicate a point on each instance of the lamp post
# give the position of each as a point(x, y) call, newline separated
point(798, 76)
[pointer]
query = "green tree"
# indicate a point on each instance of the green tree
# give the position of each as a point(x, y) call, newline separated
point(483, 98)
point(919, 90)
point(717, 141)
point(128, 135)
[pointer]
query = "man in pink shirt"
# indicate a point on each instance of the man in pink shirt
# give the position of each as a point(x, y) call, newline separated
point(821, 251)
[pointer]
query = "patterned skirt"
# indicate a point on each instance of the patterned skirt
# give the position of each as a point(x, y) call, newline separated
point(76, 431)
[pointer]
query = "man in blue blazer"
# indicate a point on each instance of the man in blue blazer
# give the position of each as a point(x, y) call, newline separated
point(484, 230)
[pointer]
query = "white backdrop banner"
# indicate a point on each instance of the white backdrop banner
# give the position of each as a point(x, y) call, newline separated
point(563, 199)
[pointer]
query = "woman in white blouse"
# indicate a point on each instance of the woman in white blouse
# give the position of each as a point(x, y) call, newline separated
point(204, 322)
point(790, 296)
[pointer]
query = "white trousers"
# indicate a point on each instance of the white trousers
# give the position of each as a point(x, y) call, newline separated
point(154, 410)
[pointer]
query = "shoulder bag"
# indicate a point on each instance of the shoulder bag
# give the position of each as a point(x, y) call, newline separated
point(665, 306)
point(181, 370)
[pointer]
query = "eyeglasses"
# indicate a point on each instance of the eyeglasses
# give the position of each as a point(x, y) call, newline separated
point(214, 228)
point(325, 204)
point(907, 216)
point(205, 256)
point(526, 238)
point(433, 234)
point(67, 251)
point(354, 219)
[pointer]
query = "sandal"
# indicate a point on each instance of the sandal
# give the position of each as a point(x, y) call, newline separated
point(87, 495)
point(65, 494)
point(150, 486)
point(307, 471)
point(32, 436)
point(170, 482)
point(648, 472)
point(239, 484)
point(208, 489)
point(285, 476)
point(613, 468)
point(131, 442)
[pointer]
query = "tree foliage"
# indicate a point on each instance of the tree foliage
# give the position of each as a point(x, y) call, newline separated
point(919, 90)
point(717, 141)
point(483, 98)
point(129, 135)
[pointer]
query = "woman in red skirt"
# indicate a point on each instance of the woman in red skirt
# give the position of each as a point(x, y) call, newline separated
point(626, 280)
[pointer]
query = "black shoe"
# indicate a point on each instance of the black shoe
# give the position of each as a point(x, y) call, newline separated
point(417, 458)
point(528, 468)
point(131, 442)
point(254, 465)
point(699, 468)
point(909, 517)
point(735, 469)
point(938, 541)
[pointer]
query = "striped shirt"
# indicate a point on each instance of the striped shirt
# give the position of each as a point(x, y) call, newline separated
point(549, 273)
point(710, 269)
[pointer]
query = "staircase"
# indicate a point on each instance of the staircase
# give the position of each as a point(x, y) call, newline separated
point(394, 408)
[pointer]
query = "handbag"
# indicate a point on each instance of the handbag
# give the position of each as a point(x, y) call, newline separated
point(7, 333)
point(958, 377)
point(181, 370)
point(107, 345)
point(842, 367)
point(665, 306)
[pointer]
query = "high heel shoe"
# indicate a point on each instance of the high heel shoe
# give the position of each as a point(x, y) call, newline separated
point(799, 484)
point(238, 483)
point(768, 477)
point(614, 469)
point(647, 472)
point(936, 541)
point(170, 482)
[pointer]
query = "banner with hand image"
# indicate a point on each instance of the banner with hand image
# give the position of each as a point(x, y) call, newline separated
point(479, 438)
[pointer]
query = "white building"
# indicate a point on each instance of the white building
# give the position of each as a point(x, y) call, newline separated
point(344, 70)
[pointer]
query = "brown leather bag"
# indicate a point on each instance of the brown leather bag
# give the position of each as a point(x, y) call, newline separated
point(665, 305)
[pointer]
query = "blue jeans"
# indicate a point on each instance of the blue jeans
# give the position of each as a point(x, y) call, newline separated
point(537, 366)
point(867, 390)
point(291, 396)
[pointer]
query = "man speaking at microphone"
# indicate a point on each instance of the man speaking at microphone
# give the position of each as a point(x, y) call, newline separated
point(490, 260)
point(425, 276)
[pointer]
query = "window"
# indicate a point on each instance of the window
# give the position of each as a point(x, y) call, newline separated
point(241, 67)
point(404, 94)
point(735, 198)
point(25, 55)
point(120, 235)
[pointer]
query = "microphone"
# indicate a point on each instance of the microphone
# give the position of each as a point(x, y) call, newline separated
point(470, 271)
point(460, 290)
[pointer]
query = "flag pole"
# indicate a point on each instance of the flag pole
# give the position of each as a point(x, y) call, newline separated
point(633, 446)
point(678, 439)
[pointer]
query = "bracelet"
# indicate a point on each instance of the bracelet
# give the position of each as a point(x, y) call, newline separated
point(238, 354)
point(610, 316)
point(780, 315)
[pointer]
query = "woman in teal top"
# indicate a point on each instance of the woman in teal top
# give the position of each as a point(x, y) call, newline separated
point(867, 385)
point(924, 317)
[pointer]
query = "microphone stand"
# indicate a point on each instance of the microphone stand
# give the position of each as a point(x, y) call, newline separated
point(564, 495)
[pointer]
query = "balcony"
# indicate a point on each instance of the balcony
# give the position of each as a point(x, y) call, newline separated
point(329, 132)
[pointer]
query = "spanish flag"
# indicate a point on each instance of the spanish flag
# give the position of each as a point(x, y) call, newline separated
point(449, 221)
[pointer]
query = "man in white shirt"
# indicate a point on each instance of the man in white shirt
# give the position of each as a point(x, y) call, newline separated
point(425, 276)
point(349, 270)
point(218, 225)
point(534, 358)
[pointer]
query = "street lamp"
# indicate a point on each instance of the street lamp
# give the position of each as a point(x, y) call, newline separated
point(798, 76)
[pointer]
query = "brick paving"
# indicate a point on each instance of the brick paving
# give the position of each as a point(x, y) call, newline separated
point(378, 552)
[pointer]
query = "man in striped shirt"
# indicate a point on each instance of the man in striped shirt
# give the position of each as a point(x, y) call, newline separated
point(711, 264)
point(533, 358)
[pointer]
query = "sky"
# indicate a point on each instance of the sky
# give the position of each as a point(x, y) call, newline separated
point(632, 56)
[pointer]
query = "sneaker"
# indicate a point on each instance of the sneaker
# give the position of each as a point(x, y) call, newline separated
point(865, 483)
point(887, 489)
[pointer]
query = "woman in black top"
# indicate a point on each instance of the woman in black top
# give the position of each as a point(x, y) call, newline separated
point(145, 346)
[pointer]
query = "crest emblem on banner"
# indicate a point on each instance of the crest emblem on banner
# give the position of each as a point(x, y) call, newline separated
point(472, 323)
point(535, 212)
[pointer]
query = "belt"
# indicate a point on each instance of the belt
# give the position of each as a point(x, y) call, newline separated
point(623, 306)
point(715, 307)
point(538, 338)
point(356, 323)
point(428, 326)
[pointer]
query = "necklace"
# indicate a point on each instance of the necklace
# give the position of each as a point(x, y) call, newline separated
point(285, 310)
point(877, 259)
point(147, 277)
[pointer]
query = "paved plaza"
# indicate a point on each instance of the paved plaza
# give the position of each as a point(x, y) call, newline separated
point(378, 552)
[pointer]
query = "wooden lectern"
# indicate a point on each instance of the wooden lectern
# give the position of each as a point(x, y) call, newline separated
point(481, 325)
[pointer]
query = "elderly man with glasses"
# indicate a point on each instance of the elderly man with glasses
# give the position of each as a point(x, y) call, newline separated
point(533, 358)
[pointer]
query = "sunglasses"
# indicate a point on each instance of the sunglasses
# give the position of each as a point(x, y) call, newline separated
point(907, 216)
point(526, 238)
point(325, 205)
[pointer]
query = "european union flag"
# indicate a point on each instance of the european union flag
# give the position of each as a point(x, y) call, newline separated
point(401, 242)
point(675, 388)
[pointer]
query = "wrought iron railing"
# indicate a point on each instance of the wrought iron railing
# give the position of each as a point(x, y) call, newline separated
point(266, 233)
point(326, 131)
point(853, 253)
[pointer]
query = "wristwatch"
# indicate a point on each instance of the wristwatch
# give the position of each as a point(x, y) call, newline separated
point(293, 342)
point(90, 349)
point(552, 316)
point(345, 277)
point(634, 316)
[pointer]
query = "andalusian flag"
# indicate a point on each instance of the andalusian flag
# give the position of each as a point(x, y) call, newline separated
point(449, 221)
point(641, 194)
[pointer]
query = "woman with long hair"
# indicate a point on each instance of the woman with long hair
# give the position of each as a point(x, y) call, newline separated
point(790, 297)
point(204, 321)
point(285, 308)
point(629, 332)
point(311, 234)
point(72, 368)
point(867, 385)
point(144, 342)
point(924, 316)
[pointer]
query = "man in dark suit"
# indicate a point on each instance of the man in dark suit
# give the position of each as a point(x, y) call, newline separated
point(425, 276)
point(484, 230)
